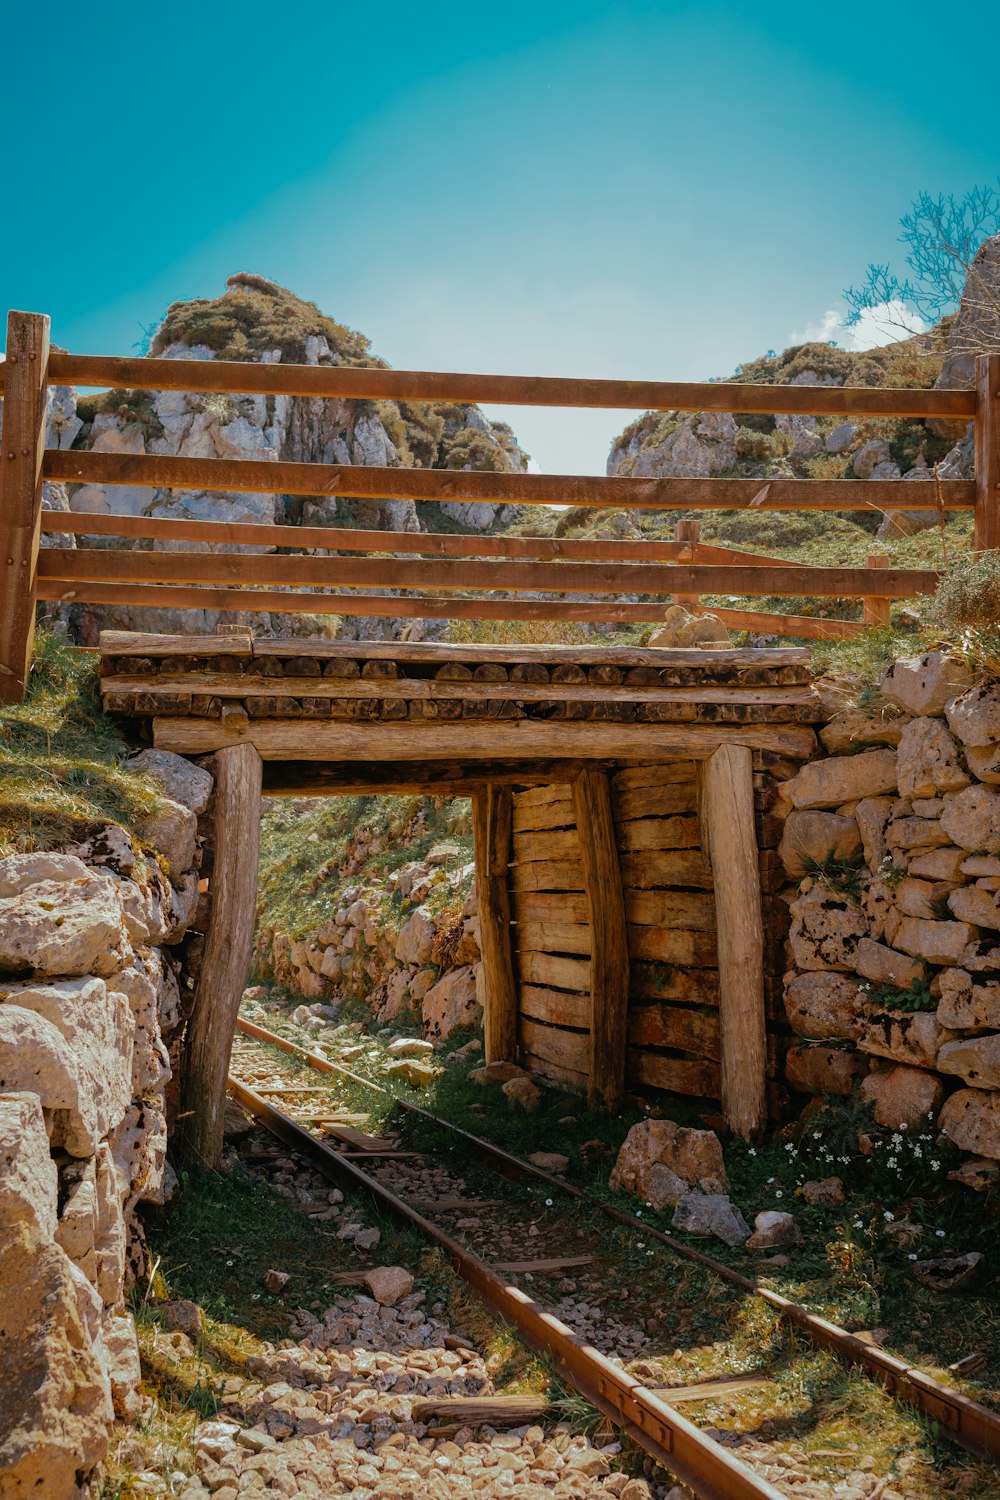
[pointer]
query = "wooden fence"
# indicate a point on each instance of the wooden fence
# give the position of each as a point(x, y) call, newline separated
point(442, 576)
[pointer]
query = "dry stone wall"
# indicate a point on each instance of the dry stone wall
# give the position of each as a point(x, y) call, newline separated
point(89, 1004)
point(893, 986)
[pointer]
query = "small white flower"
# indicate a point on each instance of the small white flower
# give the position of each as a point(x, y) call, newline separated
point(939, 1233)
point(911, 1256)
point(548, 1203)
point(752, 1151)
point(904, 1126)
point(777, 1192)
point(858, 1224)
point(769, 1181)
point(935, 1166)
point(888, 1216)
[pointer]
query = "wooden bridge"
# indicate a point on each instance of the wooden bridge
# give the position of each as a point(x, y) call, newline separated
point(625, 850)
point(440, 576)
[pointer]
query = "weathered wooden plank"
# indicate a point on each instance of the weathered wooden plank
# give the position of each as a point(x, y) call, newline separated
point(553, 936)
point(986, 533)
point(544, 1068)
point(556, 812)
point(668, 868)
point(673, 945)
point(228, 945)
point(659, 908)
point(608, 941)
point(653, 982)
point(545, 844)
point(549, 875)
point(540, 797)
point(557, 1007)
point(23, 444)
point(492, 808)
point(655, 801)
point(362, 383)
point(293, 739)
point(684, 1028)
point(279, 570)
point(440, 779)
point(639, 834)
point(727, 819)
point(550, 969)
point(550, 906)
point(570, 1049)
point(679, 1075)
point(802, 627)
point(660, 774)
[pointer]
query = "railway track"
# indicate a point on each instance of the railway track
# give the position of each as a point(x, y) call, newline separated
point(645, 1414)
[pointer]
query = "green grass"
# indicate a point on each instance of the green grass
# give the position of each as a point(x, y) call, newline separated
point(62, 760)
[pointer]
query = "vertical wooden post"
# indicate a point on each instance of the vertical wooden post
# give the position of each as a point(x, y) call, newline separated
point(730, 842)
point(875, 610)
point(233, 889)
point(26, 377)
point(492, 824)
point(609, 967)
point(688, 531)
point(986, 531)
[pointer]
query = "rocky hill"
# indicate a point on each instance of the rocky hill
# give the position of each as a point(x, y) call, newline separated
point(257, 320)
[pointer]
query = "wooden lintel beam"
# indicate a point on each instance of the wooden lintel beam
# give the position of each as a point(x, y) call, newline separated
point(391, 778)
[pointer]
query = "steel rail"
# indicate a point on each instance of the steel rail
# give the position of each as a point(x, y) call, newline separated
point(971, 1425)
point(663, 1433)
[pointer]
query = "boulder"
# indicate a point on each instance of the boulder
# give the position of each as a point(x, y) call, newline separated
point(68, 925)
point(55, 1413)
point(852, 727)
point(911, 1037)
point(99, 1030)
point(416, 936)
point(28, 1182)
point(872, 816)
point(810, 838)
point(971, 1119)
point(824, 1070)
point(183, 1317)
point(828, 783)
point(927, 760)
point(389, 1284)
point(984, 762)
point(497, 1072)
point(409, 1046)
point(971, 819)
point(682, 628)
point(419, 1074)
point(971, 903)
point(139, 1149)
point(139, 982)
point(549, 1161)
point(975, 716)
point(121, 1348)
point(826, 928)
point(902, 1096)
point(966, 1006)
point(869, 456)
point(882, 965)
point(711, 1214)
point(451, 1004)
point(35, 1058)
point(19, 872)
point(976, 1172)
point(822, 1004)
point(946, 1273)
point(172, 830)
point(922, 685)
point(523, 1092)
point(823, 1192)
point(937, 942)
point(695, 1156)
point(181, 779)
point(944, 863)
point(774, 1230)
point(110, 847)
point(975, 1059)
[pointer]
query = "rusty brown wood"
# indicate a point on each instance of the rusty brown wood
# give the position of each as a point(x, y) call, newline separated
point(372, 482)
point(366, 384)
point(986, 534)
point(23, 444)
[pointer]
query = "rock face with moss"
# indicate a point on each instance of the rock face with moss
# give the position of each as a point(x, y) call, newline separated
point(257, 320)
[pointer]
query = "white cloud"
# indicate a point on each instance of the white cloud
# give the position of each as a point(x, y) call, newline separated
point(885, 324)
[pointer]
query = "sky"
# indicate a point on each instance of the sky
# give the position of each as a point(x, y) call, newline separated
point(626, 190)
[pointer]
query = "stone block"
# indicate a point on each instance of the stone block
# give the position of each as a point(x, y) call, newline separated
point(971, 819)
point(812, 837)
point(964, 1005)
point(71, 925)
point(826, 928)
point(927, 760)
point(902, 1096)
point(28, 1182)
point(937, 942)
point(971, 1119)
point(911, 1037)
point(450, 1004)
point(975, 716)
point(828, 783)
point(975, 1059)
point(182, 781)
point(924, 684)
point(883, 965)
point(823, 1005)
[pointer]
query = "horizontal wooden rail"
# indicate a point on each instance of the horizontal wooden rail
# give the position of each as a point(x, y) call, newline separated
point(272, 569)
point(163, 596)
point(429, 543)
point(803, 627)
point(359, 382)
point(155, 470)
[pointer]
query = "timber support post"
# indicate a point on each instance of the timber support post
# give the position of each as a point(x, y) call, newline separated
point(688, 532)
point(492, 826)
point(228, 946)
point(26, 381)
point(729, 839)
point(986, 532)
point(874, 609)
point(609, 964)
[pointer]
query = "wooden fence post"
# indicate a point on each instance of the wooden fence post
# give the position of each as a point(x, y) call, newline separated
point(609, 965)
point(986, 532)
point(688, 531)
point(492, 825)
point(26, 377)
point(874, 609)
point(233, 889)
point(730, 841)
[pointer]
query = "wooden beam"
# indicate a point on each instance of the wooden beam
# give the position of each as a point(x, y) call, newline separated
point(426, 543)
point(986, 534)
point(80, 466)
point(363, 383)
point(492, 809)
point(875, 610)
point(609, 968)
point(270, 569)
point(228, 948)
point(391, 778)
point(23, 444)
point(431, 739)
point(802, 627)
point(729, 840)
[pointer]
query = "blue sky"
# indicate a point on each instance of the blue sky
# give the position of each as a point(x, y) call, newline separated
point(648, 190)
